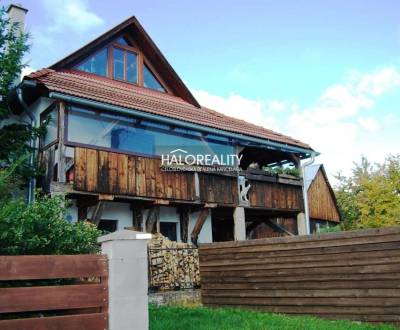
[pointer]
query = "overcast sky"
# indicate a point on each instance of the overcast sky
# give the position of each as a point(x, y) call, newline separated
point(326, 72)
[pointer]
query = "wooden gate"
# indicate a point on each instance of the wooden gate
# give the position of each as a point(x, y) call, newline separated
point(53, 292)
point(350, 275)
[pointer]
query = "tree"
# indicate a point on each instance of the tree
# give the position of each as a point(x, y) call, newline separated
point(14, 137)
point(371, 196)
point(41, 228)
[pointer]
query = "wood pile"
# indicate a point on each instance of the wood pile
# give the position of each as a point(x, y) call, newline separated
point(172, 265)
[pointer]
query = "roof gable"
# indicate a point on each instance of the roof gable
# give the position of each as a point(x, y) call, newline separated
point(153, 56)
point(322, 200)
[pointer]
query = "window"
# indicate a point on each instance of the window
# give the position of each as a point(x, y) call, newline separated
point(119, 60)
point(124, 65)
point(119, 66)
point(168, 229)
point(122, 41)
point(150, 81)
point(96, 64)
point(52, 127)
point(137, 136)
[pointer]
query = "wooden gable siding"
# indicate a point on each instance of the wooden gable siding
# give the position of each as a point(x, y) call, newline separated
point(220, 189)
point(120, 174)
point(321, 203)
point(275, 195)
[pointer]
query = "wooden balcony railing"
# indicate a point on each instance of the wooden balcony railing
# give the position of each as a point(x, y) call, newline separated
point(107, 172)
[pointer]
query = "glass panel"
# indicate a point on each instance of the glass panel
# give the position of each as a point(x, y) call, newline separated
point(131, 70)
point(118, 65)
point(126, 134)
point(150, 81)
point(122, 41)
point(52, 128)
point(96, 64)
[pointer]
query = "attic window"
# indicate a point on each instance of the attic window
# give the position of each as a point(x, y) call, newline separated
point(124, 65)
point(122, 41)
point(150, 81)
point(121, 61)
point(97, 63)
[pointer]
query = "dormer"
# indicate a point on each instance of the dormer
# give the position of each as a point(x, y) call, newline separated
point(127, 53)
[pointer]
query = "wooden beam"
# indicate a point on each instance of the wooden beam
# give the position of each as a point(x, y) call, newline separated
point(184, 223)
point(161, 202)
point(152, 218)
point(106, 197)
point(97, 213)
point(199, 224)
point(82, 213)
point(61, 173)
point(137, 214)
point(210, 205)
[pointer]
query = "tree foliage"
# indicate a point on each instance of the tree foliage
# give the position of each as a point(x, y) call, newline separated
point(14, 137)
point(370, 197)
point(41, 228)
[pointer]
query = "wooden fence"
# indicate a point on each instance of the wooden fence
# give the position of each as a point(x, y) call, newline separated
point(77, 305)
point(351, 275)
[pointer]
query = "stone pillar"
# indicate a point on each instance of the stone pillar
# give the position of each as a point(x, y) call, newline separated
point(128, 283)
point(239, 224)
point(301, 224)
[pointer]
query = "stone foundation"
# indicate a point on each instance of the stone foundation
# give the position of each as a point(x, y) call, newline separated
point(188, 297)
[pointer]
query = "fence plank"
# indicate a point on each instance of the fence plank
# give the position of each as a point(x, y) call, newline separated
point(93, 321)
point(40, 298)
point(51, 266)
point(353, 275)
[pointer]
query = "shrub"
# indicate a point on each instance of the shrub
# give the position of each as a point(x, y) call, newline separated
point(41, 228)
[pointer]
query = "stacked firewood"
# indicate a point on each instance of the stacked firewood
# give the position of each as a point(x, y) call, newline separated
point(172, 265)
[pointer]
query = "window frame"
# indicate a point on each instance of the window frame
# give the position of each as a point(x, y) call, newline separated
point(42, 117)
point(125, 50)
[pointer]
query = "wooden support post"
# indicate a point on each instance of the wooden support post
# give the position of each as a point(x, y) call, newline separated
point(61, 175)
point(199, 224)
point(152, 218)
point(184, 223)
point(137, 217)
point(297, 161)
point(82, 213)
point(97, 213)
point(239, 223)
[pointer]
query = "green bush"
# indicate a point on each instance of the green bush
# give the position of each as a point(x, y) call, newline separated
point(41, 228)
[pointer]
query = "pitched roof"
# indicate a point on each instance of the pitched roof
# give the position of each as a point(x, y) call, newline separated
point(106, 90)
point(131, 26)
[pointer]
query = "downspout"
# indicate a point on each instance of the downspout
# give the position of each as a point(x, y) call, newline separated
point(32, 144)
point(305, 193)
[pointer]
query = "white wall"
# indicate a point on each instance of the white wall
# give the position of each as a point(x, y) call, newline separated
point(112, 211)
point(123, 214)
point(205, 235)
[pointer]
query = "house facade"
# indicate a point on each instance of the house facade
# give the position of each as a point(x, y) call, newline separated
point(121, 121)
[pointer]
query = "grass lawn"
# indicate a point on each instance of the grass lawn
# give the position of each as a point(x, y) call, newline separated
point(201, 318)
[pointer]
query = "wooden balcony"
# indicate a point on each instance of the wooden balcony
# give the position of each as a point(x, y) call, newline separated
point(105, 172)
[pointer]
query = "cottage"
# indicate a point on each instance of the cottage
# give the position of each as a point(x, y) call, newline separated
point(322, 204)
point(119, 113)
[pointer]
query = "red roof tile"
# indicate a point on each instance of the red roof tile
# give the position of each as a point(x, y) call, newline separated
point(89, 86)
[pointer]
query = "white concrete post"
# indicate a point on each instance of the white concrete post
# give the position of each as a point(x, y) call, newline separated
point(239, 224)
point(301, 224)
point(128, 282)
